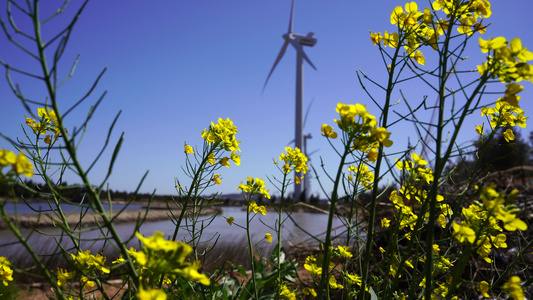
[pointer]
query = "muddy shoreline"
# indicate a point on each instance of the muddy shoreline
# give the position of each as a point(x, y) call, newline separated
point(43, 220)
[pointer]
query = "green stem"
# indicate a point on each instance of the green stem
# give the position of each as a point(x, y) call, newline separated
point(250, 248)
point(324, 277)
point(69, 145)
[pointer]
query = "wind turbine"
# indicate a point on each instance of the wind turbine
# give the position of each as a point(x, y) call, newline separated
point(297, 41)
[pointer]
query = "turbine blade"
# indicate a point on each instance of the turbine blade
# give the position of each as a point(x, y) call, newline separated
point(280, 55)
point(292, 17)
point(308, 109)
point(307, 59)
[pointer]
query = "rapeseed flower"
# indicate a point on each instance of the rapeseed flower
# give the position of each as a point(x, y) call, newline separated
point(230, 220)
point(151, 294)
point(268, 237)
point(216, 179)
point(188, 149)
point(63, 276)
point(294, 160)
point(286, 293)
point(6, 273)
point(254, 186)
point(513, 288)
point(328, 132)
point(87, 261)
point(257, 208)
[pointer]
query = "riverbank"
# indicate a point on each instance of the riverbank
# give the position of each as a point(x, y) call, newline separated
point(38, 220)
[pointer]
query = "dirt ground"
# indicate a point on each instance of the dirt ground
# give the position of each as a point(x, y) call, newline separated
point(42, 291)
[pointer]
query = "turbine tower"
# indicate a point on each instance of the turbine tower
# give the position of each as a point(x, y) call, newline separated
point(297, 41)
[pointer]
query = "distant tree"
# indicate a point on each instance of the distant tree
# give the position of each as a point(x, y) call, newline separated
point(499, 155)
point(502, 155)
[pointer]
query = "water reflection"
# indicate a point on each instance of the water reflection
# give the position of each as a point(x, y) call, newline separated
point(229, 237)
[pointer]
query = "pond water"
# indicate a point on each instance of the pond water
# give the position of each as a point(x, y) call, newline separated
point(23, 208)
point(298, 228)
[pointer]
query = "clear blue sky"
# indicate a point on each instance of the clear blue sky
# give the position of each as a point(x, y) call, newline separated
point(175, 66)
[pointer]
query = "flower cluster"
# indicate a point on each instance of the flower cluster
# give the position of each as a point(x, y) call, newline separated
point(483, 221)
point(254, 186)
point(313, 265)
point(257, 208)
point(222, 136)
point(363, 176)
point(20, 165)
point(90, 263)
point(159, 256)
point(513, 288)
point(416, 176)
point(294, 160)
point(506, 112)
point(286, 293)
point(6, 273)
point(417, 28)
point(506, 61)
point(48, 125)
point(361, 129)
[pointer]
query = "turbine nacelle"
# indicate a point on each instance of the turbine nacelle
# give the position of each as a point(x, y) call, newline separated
point(304, 40)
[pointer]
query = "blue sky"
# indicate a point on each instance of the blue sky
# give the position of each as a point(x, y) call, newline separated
point(175, 66)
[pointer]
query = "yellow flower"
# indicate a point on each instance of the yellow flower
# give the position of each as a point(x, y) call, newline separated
point(520, 52)
point(150, 294)
point(87, 284)
point(268, 237)
point(230, 220)
point(257, 208)
point(157, 242)
point(311, 266)
point(254, 186)
point(418, 160)
point(372, 155)
point(483, 288)
point(216, 179)
point(298, 180)
point(294, 158)
point(463, 233)
point(309, 291)
point(86, 260)
point(382, 250)
point(6, 273)
point(63, 276)
point(22, 165)
point(343, 251)
point(7, 158)
point(189, 149)
point(328, 132)
point(211, 158)
point(375, 37)
point(285, 293)
point(119, 260)
point(381, 134)
point(492, 44)
point(333, 283)
point(47, 139)
point(479, 130)
point(391, 40)
point(224, 161)
point(513, 288)
point(236, 158)
point(191, 273)
point(508, 135)
point(385, 222)
point(419, 57)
